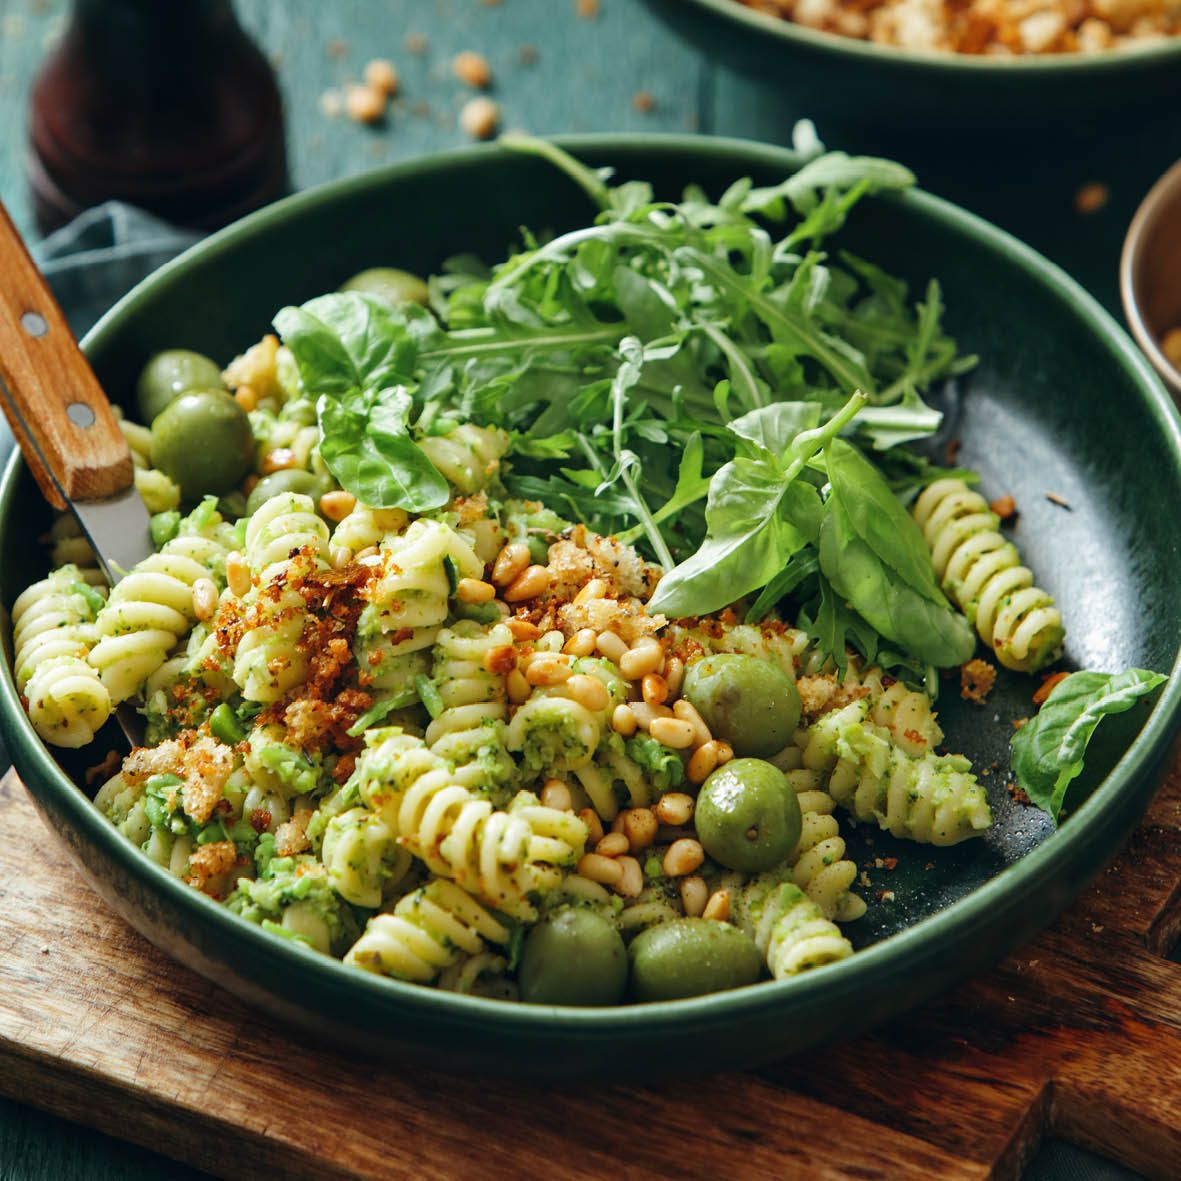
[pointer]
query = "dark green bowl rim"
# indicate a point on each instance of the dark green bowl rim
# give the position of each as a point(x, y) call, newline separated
point(845, 978)
point(1080, 65)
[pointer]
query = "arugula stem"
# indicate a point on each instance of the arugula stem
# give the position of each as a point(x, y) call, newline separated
point(773, 313)
point(557, 248)
point(490, 341)
point(742, 377)
point(588, 180)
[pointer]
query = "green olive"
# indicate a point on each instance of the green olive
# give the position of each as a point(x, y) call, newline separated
point(389, 284)
point(749, 703)
point(690, 957)
point(748, 816)
point(573, 957)
point(172, 373)
point(287, 480)
point(204, 442)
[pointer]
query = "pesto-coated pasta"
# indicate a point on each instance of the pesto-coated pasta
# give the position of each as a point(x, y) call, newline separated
point(983, 573)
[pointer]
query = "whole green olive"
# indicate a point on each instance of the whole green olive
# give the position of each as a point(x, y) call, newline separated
point(389, 284)
point(690, 957)
point(204, 442)
point(172, 373)
point(749, 703)
point(748, 816)
point(287, 480)
point(573, 957)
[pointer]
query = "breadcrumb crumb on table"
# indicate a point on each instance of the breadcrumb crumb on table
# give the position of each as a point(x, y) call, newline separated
point(1090, 198)
point(472, 69)
point(381, 76)
point(1005, 507)
point(977, 678)
point(364, 104)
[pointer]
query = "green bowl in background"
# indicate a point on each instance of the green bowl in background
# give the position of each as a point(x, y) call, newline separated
point(925, 106)
point(1060, 402)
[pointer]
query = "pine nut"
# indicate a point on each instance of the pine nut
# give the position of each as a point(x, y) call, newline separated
point(589, 692)
point(340, 556)
point(643, 658)
point(674, 674)
point(581, 643)
point(382, 77)
point(501, 660)
point(725, 753)
point(246, 397)
point(547, 670)
point(364, 554)
point(623, 721)
point(363, 104)
point(510, 562)
point(204, 599)
point(718, 906)
point(672, 732)
point(278, 460)
point(475, 590)
point(617, 823)
point(685, 710)
point(702, 763)
point(517, 687)
point(479, 118)
point(694, 895)
point(522, 629)
point(528, 585)
point(238, 574)
point(594, 826)
point(605, 870)
point(337, 504)
point(646, 714)
point(472, 68)
point(631, 884)
point(595, 589)
point(655, 689)
point(555, 794)
point(614, 844)
point(551, 642)
point(682, 857)
point(611, 646)
point(639, 826)
point(674, 808)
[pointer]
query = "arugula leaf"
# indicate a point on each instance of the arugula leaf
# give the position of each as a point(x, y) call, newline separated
point(1048, 750)
point(367, 446)
point(799, 566)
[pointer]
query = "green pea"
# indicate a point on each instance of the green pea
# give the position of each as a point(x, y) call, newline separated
point(389, 284)
point(224, 725)
point(204, 442)
point(287, 480)
point(748, 816)
point(573, 957)
point(749, 703)
point(690, 957)
point(172, 373)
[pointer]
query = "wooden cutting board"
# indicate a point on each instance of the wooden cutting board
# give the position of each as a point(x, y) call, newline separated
point(1077, 1035)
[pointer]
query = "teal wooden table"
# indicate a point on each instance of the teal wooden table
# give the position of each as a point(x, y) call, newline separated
point(556, 68)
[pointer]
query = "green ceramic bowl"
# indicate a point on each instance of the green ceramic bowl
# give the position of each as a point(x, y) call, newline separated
point(922, 106)
point(1061, 402)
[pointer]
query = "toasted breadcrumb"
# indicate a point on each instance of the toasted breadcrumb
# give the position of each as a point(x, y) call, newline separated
point(256, 368)
point(1047, 686)
point(210, 865)
point(977, 678)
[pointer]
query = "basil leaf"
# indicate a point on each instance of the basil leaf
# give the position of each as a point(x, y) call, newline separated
point(366, 445)
point(351, 341)
point(933, 633)
point(775, 427)
point(877, 517)
point(1048, 750)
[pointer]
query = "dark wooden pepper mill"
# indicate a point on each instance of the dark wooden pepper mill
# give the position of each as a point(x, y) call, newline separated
point(166, 104)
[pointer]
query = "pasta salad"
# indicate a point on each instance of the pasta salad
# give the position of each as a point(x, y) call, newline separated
point(531, 632)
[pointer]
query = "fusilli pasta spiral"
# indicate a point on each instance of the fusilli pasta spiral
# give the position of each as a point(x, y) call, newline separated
point(430, 929)
point(982, 572)
point(467, 457)
point(788, 927)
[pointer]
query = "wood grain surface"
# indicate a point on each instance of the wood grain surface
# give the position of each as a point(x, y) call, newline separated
point(1078, 1034)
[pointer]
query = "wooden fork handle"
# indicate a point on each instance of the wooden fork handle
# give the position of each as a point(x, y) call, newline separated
point(57, 410)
